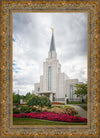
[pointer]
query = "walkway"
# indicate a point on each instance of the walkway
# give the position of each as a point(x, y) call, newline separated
point(80, 110)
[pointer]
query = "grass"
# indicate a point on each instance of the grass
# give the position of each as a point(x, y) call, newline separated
point(29, 121)
point(69, 106)
point(77, 103)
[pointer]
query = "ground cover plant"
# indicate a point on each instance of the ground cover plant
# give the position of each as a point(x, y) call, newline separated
point(61, 109)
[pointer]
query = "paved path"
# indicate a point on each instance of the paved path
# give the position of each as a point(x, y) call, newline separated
point(80, 110)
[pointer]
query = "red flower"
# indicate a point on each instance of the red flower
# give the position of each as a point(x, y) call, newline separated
point(51, 116)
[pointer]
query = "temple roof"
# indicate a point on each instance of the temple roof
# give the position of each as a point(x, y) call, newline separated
point(52, 45)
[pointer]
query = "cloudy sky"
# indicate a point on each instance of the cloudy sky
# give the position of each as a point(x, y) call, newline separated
point(31, 43)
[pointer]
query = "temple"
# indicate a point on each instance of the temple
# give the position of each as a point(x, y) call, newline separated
point(53, 83)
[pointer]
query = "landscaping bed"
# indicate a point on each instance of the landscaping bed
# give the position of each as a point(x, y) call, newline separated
point(51, 116)
point(56, 109)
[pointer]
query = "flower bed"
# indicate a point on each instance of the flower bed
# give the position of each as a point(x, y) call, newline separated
point(51, 116)
point(57, 103)
point(61, 110)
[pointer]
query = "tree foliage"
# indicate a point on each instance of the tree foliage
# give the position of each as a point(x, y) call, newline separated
point(34, 100)
point(17, 97)
point(81, 90)
point(28, 96)
point(14, 98)
point(44, 101)
point(39, 100)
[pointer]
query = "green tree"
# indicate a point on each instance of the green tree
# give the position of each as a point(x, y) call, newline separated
point(34, 100)
point(14, 98)
point(81, 90)
point(39, 100)
point(44, 101)
point(28, 96)
point(17, 97)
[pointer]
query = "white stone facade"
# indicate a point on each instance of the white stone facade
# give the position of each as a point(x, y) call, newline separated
point(53, 83)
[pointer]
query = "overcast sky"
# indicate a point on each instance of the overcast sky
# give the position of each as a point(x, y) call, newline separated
point(31, 43)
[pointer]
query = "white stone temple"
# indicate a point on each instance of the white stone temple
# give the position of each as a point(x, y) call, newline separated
point(53, 83)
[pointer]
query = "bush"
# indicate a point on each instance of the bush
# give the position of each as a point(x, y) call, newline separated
point(26, 109)
point(50, 107)
point(67, 101)
point(33, 109)
point(82, 100)
point(38, 110)
point(16, 111)
point(71, 111)
point(76, 102)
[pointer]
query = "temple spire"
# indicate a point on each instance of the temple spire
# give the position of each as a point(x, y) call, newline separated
point(52, 45)
point(52, 30)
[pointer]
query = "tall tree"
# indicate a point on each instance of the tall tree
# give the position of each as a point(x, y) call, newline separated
point(14, 98)
point(81, 90)
point(28, 96)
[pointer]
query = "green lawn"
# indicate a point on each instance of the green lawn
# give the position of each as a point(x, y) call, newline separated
point(29, 121)
point(77, 103)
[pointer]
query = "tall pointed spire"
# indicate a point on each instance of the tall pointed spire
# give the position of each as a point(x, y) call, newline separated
point(52, 45)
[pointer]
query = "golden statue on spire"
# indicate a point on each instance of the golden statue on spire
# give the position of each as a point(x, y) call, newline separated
point(52, 30)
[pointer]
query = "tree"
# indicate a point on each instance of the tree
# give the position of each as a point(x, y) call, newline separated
point(44, 101)
point(17, 97)
point(28, 96)
point(39, 100)
point(14, 98)
point(34, 100)
point(81, 90)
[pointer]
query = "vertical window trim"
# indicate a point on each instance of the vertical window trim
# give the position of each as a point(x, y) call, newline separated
point(49, 78)
point(71, 92)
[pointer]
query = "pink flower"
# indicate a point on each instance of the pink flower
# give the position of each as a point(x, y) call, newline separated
point(51, 116)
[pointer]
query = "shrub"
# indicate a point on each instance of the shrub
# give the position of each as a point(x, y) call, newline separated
point(50, 107)
point(24, 109)
point(59, 106)
point(71, 111)
point(38, 110)
point(67, 101)
point(16, 111)
point(76, 102)
point(33, 109)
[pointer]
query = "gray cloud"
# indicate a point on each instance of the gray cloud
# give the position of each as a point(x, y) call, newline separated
point(32, 34)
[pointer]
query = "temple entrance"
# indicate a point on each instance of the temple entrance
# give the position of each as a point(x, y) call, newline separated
point(50, 95)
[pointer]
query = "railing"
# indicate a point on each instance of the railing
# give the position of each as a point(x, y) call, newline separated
point(59, 99)
point(77, 100)
point(74, 100)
